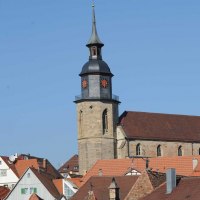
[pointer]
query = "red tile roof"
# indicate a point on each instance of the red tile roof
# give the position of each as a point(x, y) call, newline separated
point(155, 126)
point(118, 167)
point(21, 165)
point(35, 197)
point(99, 185)
point(3, 192)
point(188, 188)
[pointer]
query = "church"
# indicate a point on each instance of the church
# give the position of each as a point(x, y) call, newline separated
point(103, 134)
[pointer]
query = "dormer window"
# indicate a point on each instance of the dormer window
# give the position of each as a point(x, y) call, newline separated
point(94, 51)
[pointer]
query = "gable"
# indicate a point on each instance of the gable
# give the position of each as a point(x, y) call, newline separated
point(8, 174)
point(28, 184)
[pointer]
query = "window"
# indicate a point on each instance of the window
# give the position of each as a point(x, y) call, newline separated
point(28, 175)
point(159, 150)
point(0, 162)
point(138, 149)
point(75, 167)
point(24, 190)
point(105, 121)
point(3, 172)
point(33, 190)
point(68, 192)
point(94, 51)
point(199, 151)
point(180, 151)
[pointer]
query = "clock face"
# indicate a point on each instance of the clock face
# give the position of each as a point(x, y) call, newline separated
point(104, 83)
point(84, 83)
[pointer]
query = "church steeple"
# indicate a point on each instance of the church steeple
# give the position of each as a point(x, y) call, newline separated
point(97, 107)
point(94, 43)
point(94, 38)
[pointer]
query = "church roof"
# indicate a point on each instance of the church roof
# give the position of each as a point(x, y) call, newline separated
point(95, 66)
point(165, 127)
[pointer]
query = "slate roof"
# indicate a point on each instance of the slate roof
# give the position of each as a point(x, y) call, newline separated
point(188, 188)
point(99, 185)
point(70, 166)
point(119, 167)
point(165, 127)
point(3, 192)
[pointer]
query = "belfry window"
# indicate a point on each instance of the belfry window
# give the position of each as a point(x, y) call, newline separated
point(180, 151)
point(105, 121)
point(138, 149)
point(94, 51)
point(159, 150)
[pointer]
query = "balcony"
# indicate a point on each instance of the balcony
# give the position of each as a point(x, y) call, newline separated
point(114, 97)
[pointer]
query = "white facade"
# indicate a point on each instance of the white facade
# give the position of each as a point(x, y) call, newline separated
point(7, 176)
point(27, 185)
point(69, 189)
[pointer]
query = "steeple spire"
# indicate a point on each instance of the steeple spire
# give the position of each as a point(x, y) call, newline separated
point(94, 38)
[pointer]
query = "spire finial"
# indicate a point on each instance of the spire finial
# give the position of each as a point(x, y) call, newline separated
point(94, 39)
point(93, 3)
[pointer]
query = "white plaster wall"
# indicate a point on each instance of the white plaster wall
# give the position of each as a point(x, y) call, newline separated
point(11, 178)
point(26, 182)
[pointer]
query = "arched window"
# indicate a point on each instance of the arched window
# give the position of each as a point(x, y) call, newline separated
point(138, 149)
point(105, 121)
point(159, 150)
point(94, 51)
point(180, 151)
point(80, 121)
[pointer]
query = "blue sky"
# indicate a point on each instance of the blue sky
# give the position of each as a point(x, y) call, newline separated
point(151, 46)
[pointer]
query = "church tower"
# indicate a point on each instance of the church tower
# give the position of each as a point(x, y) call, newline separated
point(97, 107)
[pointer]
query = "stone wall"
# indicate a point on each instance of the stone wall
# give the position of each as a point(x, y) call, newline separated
point(149, 148)
point(93, 143)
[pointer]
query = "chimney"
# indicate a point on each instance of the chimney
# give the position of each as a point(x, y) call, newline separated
point(171, 180)
point(44, 164)
point(113, 190)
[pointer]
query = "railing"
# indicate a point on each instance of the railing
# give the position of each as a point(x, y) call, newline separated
point(114, 97)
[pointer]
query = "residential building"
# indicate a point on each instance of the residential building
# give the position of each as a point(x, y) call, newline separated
point(35, 181)
point(70, 168)
point(13, 167)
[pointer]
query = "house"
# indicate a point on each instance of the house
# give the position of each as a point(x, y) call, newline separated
point(186, 188)
point(13, 167)
point(35, 181)
point(8, 172)
point(120, 187)
point(70, 168)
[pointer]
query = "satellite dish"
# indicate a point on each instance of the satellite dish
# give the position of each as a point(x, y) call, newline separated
point(12, 158)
